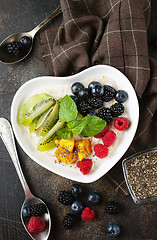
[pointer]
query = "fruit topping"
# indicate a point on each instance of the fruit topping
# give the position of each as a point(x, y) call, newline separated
point(69, 221)
point(25, 41)
point(83, 93)
point(121, 123)
point(36, 224)
point(87, 214)
point(76, 87)
point(96, 102)
point(117, 109)
point(48, 144)
point(94, 198)
point(113, 230)
point(65, 156)
point(121, 96)
point(65, 143)
point(65, 197)
point(105, 113)
point(84, 107)
point(102, 133)
point(83, 148)
point(14, 48)
point(76, 207)
point(91, 113)
point(92, 85)
point(109, 93)
point(100, 150)
point(97, 90)
point(75, 98)
point(76, 190)
point(109, 138)
point(111, 208)
point(85, 166)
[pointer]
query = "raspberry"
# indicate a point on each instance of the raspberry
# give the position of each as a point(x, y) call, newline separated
point(109, 138)
point(87, 214)
point(85, 166)
point(100, 150)
point(102, 133)
point(36, 224)
point(121, 123)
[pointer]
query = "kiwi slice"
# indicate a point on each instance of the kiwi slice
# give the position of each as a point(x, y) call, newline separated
point(58, 125)
point(34, 107)
point(48, 144)
point(51, 119)
point(38, 121)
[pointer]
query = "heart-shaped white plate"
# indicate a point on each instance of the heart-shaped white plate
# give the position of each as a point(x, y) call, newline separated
point(37, 85)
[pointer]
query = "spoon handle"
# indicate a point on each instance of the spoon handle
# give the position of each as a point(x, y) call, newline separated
point(7, 136)
point(51, 16)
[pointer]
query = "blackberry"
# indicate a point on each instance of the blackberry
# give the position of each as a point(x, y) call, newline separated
point(38, 210)
point(117, 109)
point(84, 107)
point(111, 208)
point(69, 221)
point(14, 48)
point(109, 93)
point(65, 198)
point(105, 114)
point(96, 102)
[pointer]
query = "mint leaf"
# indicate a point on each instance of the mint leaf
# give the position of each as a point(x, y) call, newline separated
point(64, 133)
point(76, 126)
point(68, 110)
point(92, 126)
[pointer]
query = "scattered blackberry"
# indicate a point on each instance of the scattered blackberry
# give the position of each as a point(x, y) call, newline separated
point(105, 114)
point(109, 93)
point(65, 198)
point(111, 208)
point(96, 102)
point(69, 221)
point(84, 107)
point(14, 48)
point(117, 109)
point(38, 209)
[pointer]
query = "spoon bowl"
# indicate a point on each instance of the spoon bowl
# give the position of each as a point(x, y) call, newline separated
point(6, 134)
point(10, 58)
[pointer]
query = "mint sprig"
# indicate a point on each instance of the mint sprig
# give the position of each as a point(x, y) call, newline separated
point(68, 109)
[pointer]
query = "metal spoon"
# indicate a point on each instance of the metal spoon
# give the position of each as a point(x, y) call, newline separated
point(6, 134)
point(7, 57)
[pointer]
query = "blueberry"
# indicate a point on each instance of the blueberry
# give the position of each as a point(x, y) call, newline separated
point(91, 113)
point(97, 90)
point(94, 198)
point(83, 93)
point(76, 190)
point(75, 98)
point(113, 230)
point(76, 87)
point(76, 207)
point(26, 211)
point(25, 41)
point(93, 84)
point(121, 96)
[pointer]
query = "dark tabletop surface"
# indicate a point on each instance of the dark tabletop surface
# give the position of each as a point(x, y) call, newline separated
point(136, 221)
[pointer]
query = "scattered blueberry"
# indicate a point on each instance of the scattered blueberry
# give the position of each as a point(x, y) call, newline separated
point(97, 90)
point(76, 207)
point(113, 230)
point(26, 211)
point(92, 84)
point(121, 96)
point(76, 87)
point(75, 98)
point(83, 93)
point(25, 41)
point(76, 190)
point(94, 198)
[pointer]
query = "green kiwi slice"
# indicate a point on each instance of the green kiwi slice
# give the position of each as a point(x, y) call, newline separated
point(51, 119)
point(48, 144)
point(38, 121)
point(34, 107)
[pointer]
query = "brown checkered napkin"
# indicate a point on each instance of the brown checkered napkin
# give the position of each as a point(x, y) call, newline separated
point(112, 32)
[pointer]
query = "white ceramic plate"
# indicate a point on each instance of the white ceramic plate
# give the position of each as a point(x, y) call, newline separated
point(37, 84)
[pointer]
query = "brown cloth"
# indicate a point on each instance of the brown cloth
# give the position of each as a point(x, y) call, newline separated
point(111, 32)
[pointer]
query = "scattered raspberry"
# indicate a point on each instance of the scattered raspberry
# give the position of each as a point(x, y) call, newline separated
point(109, 138)
point(87, 214)
point(36, 224)
point(102, 133)
point(121, 123)
point(100, 150)
point(85, 166)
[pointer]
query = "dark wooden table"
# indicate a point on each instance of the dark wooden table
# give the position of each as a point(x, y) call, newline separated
point(136, 221)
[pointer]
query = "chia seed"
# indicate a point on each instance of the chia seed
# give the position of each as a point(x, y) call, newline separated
point(141, 172)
